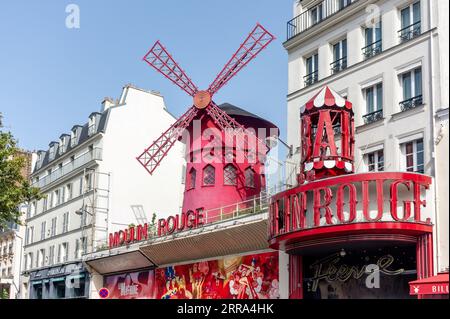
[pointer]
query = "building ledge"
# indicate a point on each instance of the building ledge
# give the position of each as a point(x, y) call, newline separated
point(369, 126)
point(401, 115)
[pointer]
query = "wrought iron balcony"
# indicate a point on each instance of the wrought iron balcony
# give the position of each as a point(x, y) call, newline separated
point(338, 65)
point(310, 18)
point(311, 78)
point(372, 49)
point(411, 103)
point(373, 116)
point(95, 154)
point(410, 32)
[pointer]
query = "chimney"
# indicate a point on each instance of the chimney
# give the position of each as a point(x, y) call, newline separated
point(107, 103)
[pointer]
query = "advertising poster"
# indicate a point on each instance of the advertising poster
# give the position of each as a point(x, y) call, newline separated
point(236, 277)
point(133, 285)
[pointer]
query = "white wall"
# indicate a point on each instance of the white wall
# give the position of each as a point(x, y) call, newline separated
point(131, 128)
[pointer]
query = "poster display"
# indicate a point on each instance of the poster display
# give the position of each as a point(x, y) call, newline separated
point(236, 277)
point(132, 285)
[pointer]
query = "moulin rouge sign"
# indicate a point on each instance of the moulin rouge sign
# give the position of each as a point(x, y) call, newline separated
point(347, 199)
point(166, 226)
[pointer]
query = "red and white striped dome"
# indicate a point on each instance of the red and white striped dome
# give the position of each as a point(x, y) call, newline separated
point(326, 97)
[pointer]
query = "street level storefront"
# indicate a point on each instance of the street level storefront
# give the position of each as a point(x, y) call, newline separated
point(350, 235)
point(226, 256)
point(60, 282)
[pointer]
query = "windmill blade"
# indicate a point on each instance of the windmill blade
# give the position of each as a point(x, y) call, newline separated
point(256, 41)
point(158, 58)
point(152, 156)
point(226, 122)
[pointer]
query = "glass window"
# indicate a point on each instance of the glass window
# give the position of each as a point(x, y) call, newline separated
point(209, 175)
point(249, 178)
point(375, 161)
point(414, 156)
point(192, 178)
point(230, 175)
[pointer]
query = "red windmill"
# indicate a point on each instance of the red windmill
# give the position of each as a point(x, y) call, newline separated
point(211, 115)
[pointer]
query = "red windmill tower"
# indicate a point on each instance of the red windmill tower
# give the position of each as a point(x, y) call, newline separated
point(218, 181)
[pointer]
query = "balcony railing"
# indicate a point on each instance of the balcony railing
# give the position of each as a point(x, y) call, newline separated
point(372, 49)
point(411, 103)
point(338, 65)
point(410, 32)
point(311, 78)
point(373, 116)
point(251, 207)
point(315, 15)
point(95, 154)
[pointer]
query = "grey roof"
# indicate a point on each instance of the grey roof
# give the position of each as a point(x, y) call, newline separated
point(83, 136)
point(233, 111)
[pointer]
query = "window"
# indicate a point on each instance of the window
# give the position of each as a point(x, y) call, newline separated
point(30, 261)
point(44, 203)
point(316, 14)
point(414, 156)
point(62, 145)
point(88, 181)
point(30, 235)
point(80, 248)
point(51, 154)
point(230, 175)
point(68, 192)
point(91, 129)
point(374, 103)
point(344, 3)
point(373, 44)
point(192, 178)
point(410, 22)
point(41, 258)
point(375, 161)
point(57, 197)
point(249, 178)
point(74, 137)
point(63, 252)
point(65, 226)
point(312, 67)
point(209, 175)
point(51, 255)
point(339, 56)
point(412, 89)
point(43, 225)
point(53, 229)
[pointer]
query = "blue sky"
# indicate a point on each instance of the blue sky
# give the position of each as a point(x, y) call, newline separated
point(52, 77)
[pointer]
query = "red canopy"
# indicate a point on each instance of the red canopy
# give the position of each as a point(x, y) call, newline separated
point(436, 285)
point(326, 97)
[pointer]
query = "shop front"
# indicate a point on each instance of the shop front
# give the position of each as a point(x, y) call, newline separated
point(349, 235)
point(225, 257)
point(68, 281)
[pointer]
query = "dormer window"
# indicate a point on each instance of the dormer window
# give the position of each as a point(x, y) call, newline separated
point(74, 137)
point(62, 144)
point(92, 127)
point(52, 151)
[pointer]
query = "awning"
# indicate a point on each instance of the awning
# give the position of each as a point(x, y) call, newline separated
point(227, 238)
point(118, 261)
point(436, 285)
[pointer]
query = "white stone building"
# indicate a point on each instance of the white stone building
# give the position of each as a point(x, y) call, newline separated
point(390, 59)
point(94, 185)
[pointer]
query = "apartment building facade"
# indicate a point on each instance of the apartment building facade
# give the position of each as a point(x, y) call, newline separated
point(389, 59)
point(92, 185)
